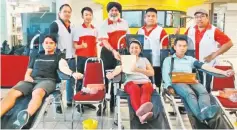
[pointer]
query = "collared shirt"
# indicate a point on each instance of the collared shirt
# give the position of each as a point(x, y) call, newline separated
point(87, 35)
point(162, 34)
point(185, 64)
point(113, 32)
point(219, 36)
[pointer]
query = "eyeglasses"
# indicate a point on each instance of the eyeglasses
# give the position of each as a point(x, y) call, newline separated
point(201, 17)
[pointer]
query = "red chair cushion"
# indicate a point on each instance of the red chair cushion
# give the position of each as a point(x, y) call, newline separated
point(13, 69)
point(227, 103)
point(221, 83)
point(89, 97)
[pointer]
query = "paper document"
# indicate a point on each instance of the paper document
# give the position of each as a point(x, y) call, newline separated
point(127, 63)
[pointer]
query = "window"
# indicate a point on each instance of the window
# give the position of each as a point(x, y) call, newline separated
point(166, 19)
point(134, 18)
point(161, 18)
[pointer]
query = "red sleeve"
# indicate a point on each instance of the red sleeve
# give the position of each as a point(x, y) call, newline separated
point(186, 33)
point(165, 41)
point(221, 37)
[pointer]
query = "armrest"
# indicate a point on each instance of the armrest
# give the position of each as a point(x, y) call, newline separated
point(117, 78)
point(63, 76)
point(212, 74)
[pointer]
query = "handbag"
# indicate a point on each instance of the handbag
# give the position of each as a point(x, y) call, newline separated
point(181, 77)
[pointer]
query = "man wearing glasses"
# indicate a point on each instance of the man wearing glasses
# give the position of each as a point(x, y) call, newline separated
point(209, 41)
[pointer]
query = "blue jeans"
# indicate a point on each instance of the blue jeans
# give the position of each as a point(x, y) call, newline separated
point(70, 83)
point(198, 100)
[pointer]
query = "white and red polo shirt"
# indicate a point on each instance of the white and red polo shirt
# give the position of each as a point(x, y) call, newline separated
point(113, 31)
point(153, 40)
point(87, 35)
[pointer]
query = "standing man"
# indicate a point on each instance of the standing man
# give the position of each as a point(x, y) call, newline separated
point(155, 35)
point(84, 39)
point(112, 29)
point(62, 29)
point(209, 42)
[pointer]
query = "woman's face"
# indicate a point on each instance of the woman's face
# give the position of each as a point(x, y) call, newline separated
point(134, 49)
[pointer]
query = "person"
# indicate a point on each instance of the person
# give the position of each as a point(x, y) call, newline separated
point(40, 81)
point(109, 34)
point(209, 42)
point(63, 30)
point(195, 95)
point(138, 85)
point(155, 34)
point(84, 39)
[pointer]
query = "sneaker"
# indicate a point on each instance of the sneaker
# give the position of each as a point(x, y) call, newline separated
point(22, 119)
point(90, 106)
point(59, 109)
point(208, 112)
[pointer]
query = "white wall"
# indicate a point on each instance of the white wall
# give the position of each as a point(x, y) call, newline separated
point(3, 21)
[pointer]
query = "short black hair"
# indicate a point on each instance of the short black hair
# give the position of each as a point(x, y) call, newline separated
point(52, 36)
point(86, 9)
point(61, 7)
point(151, 10)
point(180, 38)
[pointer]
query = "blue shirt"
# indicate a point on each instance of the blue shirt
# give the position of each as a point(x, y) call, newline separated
point(185, 64)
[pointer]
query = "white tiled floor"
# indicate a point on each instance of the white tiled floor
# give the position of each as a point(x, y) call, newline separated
point(56, 121)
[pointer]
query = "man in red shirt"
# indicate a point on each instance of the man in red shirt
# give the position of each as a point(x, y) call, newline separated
point(209, 41)
point(84, 39)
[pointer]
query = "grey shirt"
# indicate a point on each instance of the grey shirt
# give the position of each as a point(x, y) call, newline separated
point(139, 77)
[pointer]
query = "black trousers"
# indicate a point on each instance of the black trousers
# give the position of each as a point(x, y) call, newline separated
point(208, 81)
point(158, 76)
point(80, 68)
point(109, 63)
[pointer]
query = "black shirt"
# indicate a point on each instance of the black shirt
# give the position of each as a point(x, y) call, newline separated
point(53, 29)
point(44, 66)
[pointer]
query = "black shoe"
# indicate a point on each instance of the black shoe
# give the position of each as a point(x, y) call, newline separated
point(22, 119)
point(69, 104)
point(182, 110)
point(59, 109)
point(79, 108)
point(98, 113)
point(90, 106)
point(112, 109)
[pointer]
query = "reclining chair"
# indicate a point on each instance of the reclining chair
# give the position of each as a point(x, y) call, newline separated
point(160, 114)
point(22, 103)
point(174, 100)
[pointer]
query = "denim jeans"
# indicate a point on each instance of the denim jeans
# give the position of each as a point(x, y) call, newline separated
point(70, 83)
point(197, 98)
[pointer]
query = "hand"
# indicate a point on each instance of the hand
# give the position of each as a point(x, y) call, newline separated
point(110, 75)
point(171, 90)
point(229, 73)
point(84, 45)
point(29, 79)
point(116, 55)
point(177, 30)
point(77, 75)
point(210, 57)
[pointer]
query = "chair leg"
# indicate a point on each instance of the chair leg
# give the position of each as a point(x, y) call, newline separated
point(72, 113)
point(102, 115)
point(63, 109)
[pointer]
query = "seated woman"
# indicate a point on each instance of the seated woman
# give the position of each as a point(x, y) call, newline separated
point(138, 85)
point(40, 80)
point(195, 95)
